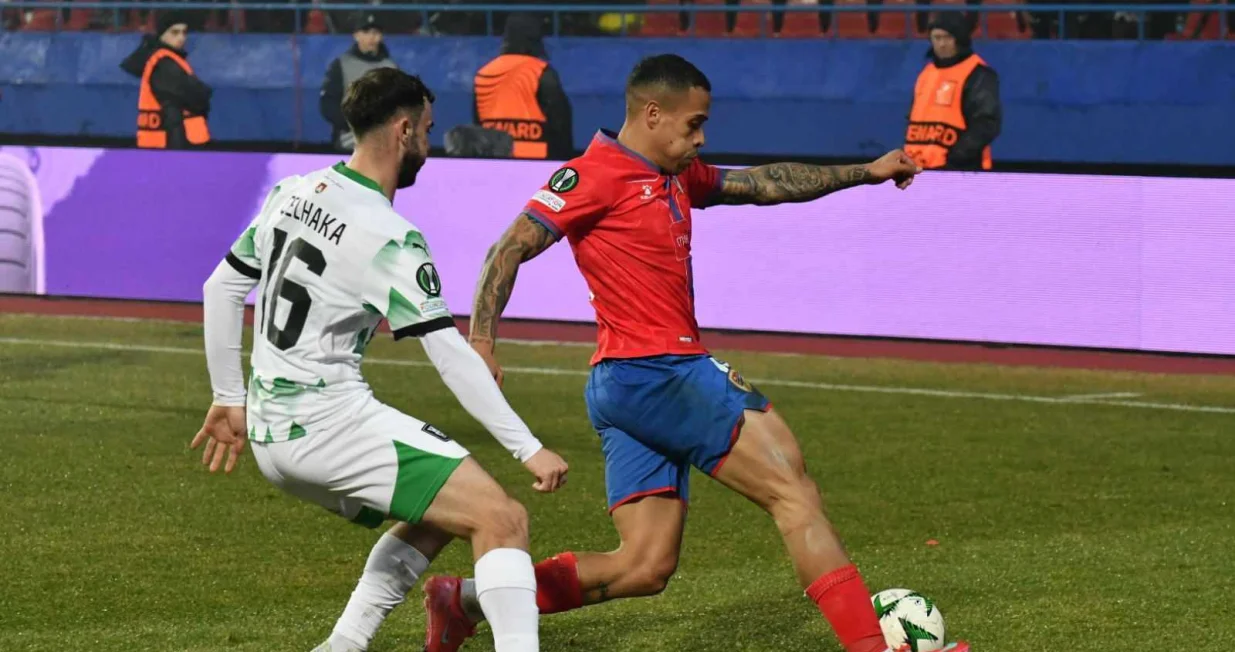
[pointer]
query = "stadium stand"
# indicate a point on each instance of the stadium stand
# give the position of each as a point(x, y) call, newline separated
point(662, 23)
point(315, 22)
point(709, 23)
point(801, 24)
point(1201, 25)
point(897, 24)
point(753, 23)
point(698, 18)
point(1083, 104)
point(850, 24)
point(1002, 24)
point(1091, 93)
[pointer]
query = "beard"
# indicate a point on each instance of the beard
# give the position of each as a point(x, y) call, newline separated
point(408, 169)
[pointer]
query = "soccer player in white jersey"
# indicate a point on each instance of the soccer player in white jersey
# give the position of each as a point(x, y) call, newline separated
point(332, 259)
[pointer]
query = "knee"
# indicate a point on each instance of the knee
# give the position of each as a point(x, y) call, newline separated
point(505, 519)
point(650, 575)
point(796, 503)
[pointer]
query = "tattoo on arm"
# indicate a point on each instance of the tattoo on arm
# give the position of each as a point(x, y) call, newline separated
point(597, 595)
point(523, 241)
point(780, 183)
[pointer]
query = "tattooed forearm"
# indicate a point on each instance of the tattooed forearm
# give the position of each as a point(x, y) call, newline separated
point(788, 182)
point(523, 241)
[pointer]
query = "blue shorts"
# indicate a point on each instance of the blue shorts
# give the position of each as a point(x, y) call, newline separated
point(659, 416)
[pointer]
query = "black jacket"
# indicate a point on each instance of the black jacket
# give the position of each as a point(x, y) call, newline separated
point(330, 100)
point(523, 36)
point(982, 109)
point(176, 90)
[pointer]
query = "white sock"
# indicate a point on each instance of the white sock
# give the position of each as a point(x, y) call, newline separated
point(389, 574)
point(506, 588)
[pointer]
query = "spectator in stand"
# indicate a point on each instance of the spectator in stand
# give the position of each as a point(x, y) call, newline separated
point(956, 110)
point(173, 103)
point(367, 53)
point(521, 94)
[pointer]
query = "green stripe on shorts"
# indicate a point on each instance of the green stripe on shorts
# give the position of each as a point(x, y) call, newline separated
point(369, 517)
point(421, 475)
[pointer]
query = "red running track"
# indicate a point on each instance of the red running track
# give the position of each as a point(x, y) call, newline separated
point(923, 350)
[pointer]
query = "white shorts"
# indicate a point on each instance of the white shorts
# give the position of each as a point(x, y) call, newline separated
point(366, 462)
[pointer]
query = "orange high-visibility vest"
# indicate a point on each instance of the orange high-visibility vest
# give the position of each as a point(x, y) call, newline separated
point(936, 121)
point(506, 100)
point(151, 132)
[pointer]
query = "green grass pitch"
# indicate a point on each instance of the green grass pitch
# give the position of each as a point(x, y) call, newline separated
point(1093, 524)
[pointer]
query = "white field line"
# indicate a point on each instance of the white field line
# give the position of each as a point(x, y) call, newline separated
point(181, 322)
point(1094, 397)
point(1108, 399)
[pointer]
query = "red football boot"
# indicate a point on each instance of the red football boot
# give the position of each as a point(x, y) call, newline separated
point(446, 626)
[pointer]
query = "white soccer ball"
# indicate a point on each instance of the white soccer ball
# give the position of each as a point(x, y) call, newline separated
point(909, 618)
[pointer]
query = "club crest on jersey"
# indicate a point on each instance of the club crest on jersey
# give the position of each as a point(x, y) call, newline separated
point(739, 382)
point(428, 280)
point(564, 180)
point(734, 377)
point(321, 187)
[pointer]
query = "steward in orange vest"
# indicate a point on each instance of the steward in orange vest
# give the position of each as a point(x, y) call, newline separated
point(956, 110)
point(172, 102)
point(521, 94)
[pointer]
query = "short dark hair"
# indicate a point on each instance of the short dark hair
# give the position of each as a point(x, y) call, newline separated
point(668, 71)
point(379, 94)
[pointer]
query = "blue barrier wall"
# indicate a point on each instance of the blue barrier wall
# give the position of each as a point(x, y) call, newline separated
point(1076, 101)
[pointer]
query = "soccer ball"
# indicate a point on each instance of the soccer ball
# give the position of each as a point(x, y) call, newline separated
point(908, 618)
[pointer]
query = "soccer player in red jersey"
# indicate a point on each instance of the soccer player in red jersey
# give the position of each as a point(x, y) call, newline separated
point(658, 401)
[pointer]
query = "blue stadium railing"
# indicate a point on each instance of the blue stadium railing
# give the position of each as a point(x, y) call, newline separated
point(1140, 11)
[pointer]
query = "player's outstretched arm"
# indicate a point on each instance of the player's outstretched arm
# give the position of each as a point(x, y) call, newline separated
point(465, 373)
point(223, 328)
point(523, 241)
point(223, 431)
point(780, 183)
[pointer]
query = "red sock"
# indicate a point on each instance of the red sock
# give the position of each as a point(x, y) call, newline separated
point(842, 597)
point(557, 584)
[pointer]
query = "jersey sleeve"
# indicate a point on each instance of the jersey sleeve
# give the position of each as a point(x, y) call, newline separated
point(402, 285)
point(572, 200)
point(245, 255)
point(702, 182)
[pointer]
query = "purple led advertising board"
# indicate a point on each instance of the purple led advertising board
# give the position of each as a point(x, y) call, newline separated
point(1108, 262)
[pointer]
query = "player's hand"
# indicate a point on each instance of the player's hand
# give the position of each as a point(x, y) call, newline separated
point(895, 165)
point(485, 349)
point(224, 435)
point(550, 470)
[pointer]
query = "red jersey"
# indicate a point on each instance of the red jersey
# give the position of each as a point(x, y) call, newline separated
point(628, 224)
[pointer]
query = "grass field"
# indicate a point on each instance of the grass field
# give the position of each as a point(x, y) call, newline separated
point(1064, 524)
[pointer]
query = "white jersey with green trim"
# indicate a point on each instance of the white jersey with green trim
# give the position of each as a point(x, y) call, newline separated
point(333, 259)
